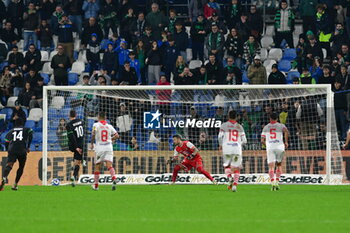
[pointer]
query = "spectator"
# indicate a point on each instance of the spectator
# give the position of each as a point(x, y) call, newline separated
point(156, 20)
point(243, 27)
point(211, 7)
point(324, 27)
point(171, 54)
point(198, 35)
point(3, 51)
point(32, 59)
point(214, 70)
point(347, 17)
point(316, 69)
point(17, 82)
point(138, 28)
point(343, 76)
point(60, 64)
point(255, 22)
point(32, 77)
point(340, 108)
point(251, 49)
point(232, 73)
point(124, 122)
point(345, 54)
point(181, 39)
point(204, 142)
point(15, 11)
point(154, 61)
point(233, 13)
point(16, 59)
point(134, 145)
point(300, 50)
point(90, 28)
point(5, 85)
point(127, 75)
point(65, 36)
point(61, 133)
point(215, 19)
point(308, 12)
point(195, 8)
point(215, 42)
point(73, 8)
point(234, 47)
point(308, 115)
point(56, 18)
point(17, 112)
point(124, 7)
point(25, 96)
point(108, 18)
point(276, 76)
point(306, 78)
point(46, 9)
point(201, 75)
point(172, 20)
point(37, 99)
point(30, 25)
point(338, 38)
point(110, 61)
point(164, 95)
point(91, 9)
point(284, 25)
point(257, 72)
point(335, 67)
point(126, 24)
point(185, 78)
point(9, 36)
point(326, 78)
point(312, 50)
point(99, 78)
point(134, 63)
point(45, 36)
point(180, 65)
point(93, 53)
point(141, 57)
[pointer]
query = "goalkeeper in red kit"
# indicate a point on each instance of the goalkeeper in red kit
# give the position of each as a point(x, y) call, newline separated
point(192, 159)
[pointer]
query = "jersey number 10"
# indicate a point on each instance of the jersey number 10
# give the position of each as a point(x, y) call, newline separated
point(80, 131)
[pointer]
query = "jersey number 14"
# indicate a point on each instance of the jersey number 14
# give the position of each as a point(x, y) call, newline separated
point(17, 135)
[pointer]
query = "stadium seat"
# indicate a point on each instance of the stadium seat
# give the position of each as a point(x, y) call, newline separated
point(47, 68)
point(73, 79)
point(53, 53)
point(284, 65)
point(289, 54)
point(270, 30)
point(77, 44)
point(324, 51)
point(150, 146)
point(275, 54)
point(7, 112)
point(263, 54)
point(122, 146)
point(78, 67)
point(195, 64)
point(57, 102)
point(35, 114)
point(37, 137)
point(189, 54)
point(2, 137)
point(46, 78)
point(245, 78)
point(298, 29)
point(25, 110)
point(11, 101)
point(39, 126)
point(45, 56)
point(266, 41)
point(30, 124)
point(268, 63)
point(291, 75)
point(82, 56)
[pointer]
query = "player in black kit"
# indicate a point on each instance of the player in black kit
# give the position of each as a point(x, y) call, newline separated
point(18, 142)
point(75, 131)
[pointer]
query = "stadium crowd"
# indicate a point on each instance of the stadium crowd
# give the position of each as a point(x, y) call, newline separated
point(226, 42)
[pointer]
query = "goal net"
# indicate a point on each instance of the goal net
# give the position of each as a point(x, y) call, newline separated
point(147, 117)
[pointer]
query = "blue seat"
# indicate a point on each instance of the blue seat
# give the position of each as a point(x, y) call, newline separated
point(73, 79)
point(8, 112)
point(46, 78)
point(38, 137)
point(2, 137)
point(245, 78)
point(284, 65)
point(39, 126)
point(122, 146)
point(289, 54)
point(30, 124)
point(25, 110)
point(150, 146)
point(291, 75)
point(52, 137)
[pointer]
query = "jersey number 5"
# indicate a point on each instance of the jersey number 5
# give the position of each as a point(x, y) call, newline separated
point(233, 135)
point(104, 135)
point(273, 134)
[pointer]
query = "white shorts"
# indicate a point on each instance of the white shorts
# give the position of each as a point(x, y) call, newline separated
point(275, 155)
point(233, 160)
point(103, 156)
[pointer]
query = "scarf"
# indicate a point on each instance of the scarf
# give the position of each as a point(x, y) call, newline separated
point(217, 42)
point(214, 5)
point(234, 11)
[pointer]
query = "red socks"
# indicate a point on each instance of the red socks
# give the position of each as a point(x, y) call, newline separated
point(236, 177)
point(278, 174)
point(96, 178)
point(112, 171)
point(177, 168)
point(272, 175)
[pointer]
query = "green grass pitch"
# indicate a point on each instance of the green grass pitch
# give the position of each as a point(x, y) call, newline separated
point(177, 208)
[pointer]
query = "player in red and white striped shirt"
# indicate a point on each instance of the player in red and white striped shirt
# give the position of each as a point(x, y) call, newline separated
point(272, 137)
point(192, 159)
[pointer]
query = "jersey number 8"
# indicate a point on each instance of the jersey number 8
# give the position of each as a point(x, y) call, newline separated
point(104, 135)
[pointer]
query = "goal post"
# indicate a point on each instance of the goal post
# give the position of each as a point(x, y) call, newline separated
point(148, 116)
